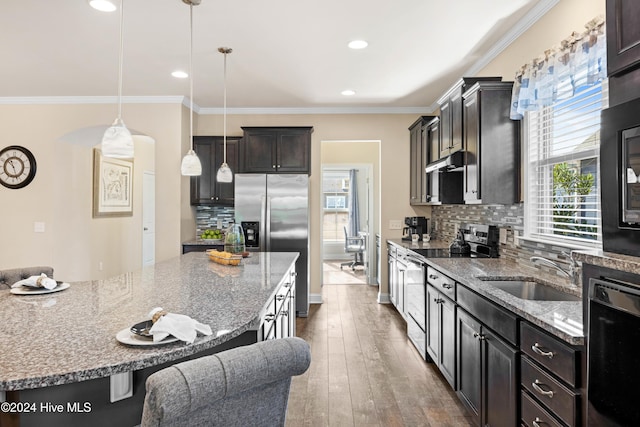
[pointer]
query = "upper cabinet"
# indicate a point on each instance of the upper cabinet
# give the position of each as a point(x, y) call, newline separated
point(276, 150)
point(205, 189)
point(419, 157)
point(623, 35)
point(451, 115)
point(623, 50)
point(492, 145)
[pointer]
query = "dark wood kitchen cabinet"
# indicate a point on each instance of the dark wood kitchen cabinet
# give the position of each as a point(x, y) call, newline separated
point(623, 50)
point(205, 189)
point(487, 362)
point(419, 157)
point(452, 116)
point(623, 35)
point(492, 145)
point(276, 150)
point(441, 323)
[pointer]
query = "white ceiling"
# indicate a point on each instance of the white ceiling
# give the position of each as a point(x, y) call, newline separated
point(286, 53)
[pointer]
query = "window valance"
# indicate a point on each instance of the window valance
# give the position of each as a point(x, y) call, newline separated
point(579, 61)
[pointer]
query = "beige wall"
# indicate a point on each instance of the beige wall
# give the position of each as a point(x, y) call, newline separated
point(390, 130)
point(74, 243)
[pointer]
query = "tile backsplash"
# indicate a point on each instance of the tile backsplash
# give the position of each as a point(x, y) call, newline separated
point(445, 220)
point(208, 216)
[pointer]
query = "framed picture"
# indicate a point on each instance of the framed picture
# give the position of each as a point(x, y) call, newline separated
point(112, 186)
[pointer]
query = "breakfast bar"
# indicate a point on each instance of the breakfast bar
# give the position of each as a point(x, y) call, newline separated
point(61, 348)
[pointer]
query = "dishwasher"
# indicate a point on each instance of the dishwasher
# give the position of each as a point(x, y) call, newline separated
point(612, 353)
point(415, 302)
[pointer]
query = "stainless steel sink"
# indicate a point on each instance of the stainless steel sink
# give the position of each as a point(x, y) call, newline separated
point(529, 289)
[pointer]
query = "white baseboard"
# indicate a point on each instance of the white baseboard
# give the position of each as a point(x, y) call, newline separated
point(315, 298)
point(383, 298)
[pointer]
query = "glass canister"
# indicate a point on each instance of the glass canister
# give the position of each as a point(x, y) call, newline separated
point(234, 239)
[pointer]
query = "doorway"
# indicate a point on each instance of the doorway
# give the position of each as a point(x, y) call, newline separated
point(346, 223)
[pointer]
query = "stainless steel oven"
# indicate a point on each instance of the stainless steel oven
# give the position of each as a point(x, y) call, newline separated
point(415, 288)
point(612, 353)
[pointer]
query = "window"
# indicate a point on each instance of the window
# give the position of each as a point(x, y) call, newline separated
point(335, 190)
point(562, 201)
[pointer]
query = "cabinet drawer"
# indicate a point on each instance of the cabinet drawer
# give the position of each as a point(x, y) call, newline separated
point(534, 413)
point(550, 352)
point(496, 318)
point(442, 283)
point(556, 397)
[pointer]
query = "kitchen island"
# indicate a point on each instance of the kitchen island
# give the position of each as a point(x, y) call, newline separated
point(61, 347)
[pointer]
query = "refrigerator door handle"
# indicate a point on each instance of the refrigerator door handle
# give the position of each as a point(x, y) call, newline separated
point(263, 235)
point(268, 224)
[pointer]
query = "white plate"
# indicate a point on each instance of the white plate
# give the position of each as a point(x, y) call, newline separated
point(27, 290)
point(125, 336)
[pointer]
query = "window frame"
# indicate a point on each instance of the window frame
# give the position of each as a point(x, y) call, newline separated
point(531, 224)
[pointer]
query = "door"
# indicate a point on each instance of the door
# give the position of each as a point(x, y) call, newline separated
point(447, 361)
point(433, 323)
point(472, 152)
point(148, 218)
point(250, 195)
point(287, 226)
point(500, 388)
point(469, 363)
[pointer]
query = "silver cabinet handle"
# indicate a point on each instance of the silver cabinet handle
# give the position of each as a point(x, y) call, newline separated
point(536, 386)
point(273, 166)
point(269, 317)
point(433, 277)
point(537, 421)
point(447, 285)
point(538, 349)
point(279, 297)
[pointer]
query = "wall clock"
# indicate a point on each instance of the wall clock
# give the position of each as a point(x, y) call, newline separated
point(17, 167)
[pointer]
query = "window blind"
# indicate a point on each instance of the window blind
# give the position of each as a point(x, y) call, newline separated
point(562, 191)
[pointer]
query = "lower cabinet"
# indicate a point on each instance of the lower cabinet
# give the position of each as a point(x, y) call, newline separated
point(441, 324)
point(278, 320)
point(487, 373)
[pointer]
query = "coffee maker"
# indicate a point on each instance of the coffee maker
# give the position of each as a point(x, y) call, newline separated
point(415, 225)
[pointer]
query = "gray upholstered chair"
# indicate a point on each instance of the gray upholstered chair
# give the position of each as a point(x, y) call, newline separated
point(244, 386)
point(11, 276)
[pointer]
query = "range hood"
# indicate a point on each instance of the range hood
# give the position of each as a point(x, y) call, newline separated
point(449, 163)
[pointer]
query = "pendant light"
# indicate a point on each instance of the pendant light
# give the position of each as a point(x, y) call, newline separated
point(224, 173)
point(117, 140)
point(191, 165)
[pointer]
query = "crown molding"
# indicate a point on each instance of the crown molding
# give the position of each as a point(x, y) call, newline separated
point(318, 110)
point(537, 12)
point(47, 100)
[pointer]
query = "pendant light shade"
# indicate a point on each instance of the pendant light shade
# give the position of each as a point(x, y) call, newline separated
point(117, 140)
point(191, 165)
point(224, 173)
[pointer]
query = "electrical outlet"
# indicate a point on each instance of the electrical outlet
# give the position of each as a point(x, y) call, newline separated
point(395, 224)
point(100, 266)
point(503, 236)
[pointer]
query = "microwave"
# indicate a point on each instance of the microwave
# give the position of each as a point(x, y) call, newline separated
point(620, 178)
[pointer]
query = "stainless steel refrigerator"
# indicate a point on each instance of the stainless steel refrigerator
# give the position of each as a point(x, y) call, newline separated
point(275, 210)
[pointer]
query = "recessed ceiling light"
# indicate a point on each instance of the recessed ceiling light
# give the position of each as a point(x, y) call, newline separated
point(358, 44)
point(348, 92)
point(102, 5)
point(180, 74)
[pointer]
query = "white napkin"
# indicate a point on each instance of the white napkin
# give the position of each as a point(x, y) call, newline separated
point(41, 281)
point(180, 326)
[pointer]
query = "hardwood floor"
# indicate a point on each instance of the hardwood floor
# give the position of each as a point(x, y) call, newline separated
point(364, 371)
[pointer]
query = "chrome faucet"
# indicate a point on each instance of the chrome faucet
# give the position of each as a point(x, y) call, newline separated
point(569, 273)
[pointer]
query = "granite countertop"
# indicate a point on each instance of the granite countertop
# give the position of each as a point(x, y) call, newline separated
point(408, 244)
point(627, 263)
point(69, 336)
point(560, 318)
point(204, 242)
